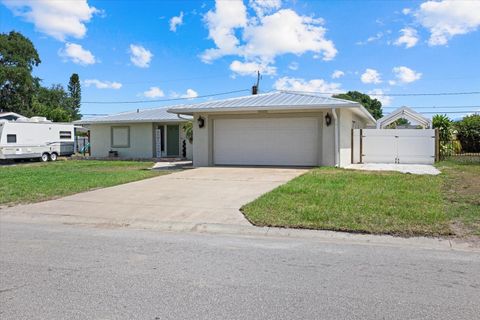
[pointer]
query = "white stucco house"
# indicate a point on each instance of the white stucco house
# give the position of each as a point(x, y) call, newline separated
point(273, 129)
point(278, 129)
point(140, 134)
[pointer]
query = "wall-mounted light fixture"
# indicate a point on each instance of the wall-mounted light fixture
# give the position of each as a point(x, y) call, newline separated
point(328, 119)
point(201, 122)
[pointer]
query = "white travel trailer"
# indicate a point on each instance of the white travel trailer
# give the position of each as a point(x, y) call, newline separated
point(36, 137)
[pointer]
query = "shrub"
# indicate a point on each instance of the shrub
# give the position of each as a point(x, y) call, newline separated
point(444, 126)
point(468, 133)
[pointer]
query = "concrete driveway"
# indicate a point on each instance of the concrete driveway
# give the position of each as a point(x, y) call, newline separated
point(202, 195)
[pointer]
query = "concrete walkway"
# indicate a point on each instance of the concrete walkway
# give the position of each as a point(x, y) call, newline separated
point(404, 168)
point(202, 195)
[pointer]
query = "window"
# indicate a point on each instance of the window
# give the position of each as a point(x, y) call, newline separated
point(120, 137)
point(65, 135)
point(11, 138)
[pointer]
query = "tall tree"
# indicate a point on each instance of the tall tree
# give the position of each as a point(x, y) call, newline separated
point(18, 56)
point(75, 92)
point(53, 103)
point(372, 105)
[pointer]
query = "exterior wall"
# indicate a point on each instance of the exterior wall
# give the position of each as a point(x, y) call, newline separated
point(202, 143)
point(141, 140)
point(203, 137)
point(328, 141)
point(348, 120)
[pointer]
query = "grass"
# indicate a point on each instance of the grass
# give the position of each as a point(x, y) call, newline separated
point(376, 202)
point(461, 193)
point(42, 181)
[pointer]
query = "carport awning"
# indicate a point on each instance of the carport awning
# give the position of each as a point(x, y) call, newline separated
point(405, 113)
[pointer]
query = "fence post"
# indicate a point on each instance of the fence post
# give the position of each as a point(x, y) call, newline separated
point(437, 145)
point(351, 146)
point(361, 146)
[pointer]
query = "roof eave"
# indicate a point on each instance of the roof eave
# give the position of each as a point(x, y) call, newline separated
point(191, 111)
point(128, 121)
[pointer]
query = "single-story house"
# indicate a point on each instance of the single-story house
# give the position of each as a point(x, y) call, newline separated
point(279, 129)
point(147, 133)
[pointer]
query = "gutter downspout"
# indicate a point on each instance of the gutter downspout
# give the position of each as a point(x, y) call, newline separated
point(334, 113)
point(180, 117)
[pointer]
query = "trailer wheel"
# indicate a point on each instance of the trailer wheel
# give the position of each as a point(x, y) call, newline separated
point(45, 157)
point(53, 156)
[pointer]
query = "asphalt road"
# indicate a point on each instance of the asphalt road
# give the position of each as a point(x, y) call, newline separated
point(73, 272)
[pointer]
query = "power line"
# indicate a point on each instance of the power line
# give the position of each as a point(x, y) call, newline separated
point(176, 79)
point(164, 100)
point(316, 92)
point(399, 94)
point(437, 107)
point(440, 112)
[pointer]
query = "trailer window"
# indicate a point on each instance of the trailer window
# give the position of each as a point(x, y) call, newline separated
point(65, 135)
point(11, 138)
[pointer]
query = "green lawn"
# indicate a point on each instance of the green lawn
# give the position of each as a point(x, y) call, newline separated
point(33, 182)
point(376, 202)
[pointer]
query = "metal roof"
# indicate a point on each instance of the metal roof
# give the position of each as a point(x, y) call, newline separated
point(272, 100)
point(145, 115)
point(279, 100)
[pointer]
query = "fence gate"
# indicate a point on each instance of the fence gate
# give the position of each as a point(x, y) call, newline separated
point(414, 146)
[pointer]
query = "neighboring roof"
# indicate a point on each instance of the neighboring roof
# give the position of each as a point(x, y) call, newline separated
point(10, 115)
point(145, 115)
point(279, 100)
point(406, 113)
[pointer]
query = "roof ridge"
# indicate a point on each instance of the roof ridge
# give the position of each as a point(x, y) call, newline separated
point(227, 99)
point(316, 95)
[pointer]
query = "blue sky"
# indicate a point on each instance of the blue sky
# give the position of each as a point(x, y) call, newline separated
point(130, 51)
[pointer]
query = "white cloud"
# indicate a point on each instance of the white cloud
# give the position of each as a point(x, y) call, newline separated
point(374, 38)
point(448, 18)
point(380, 96)
point(409, 38)
point(221, 23)
point(102, 84)
point(337, 74)
point(264, 36)
point(287, 32)
point(406, 11)
point(176, 21)
point(58, 19)
point(190, 94)
point(371, 76)
point(140, 56)
point(77, 54)
point(251, 68)
point(154, 92)
point(405, 75)
point(262, 7)
point(293, 66)
point(314, 85)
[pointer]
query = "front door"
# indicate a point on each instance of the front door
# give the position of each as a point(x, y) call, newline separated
point(173, 140)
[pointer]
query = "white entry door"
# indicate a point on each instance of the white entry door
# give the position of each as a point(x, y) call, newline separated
point(266, 141)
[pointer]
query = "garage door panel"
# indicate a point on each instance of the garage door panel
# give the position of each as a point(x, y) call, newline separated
point(271, 141)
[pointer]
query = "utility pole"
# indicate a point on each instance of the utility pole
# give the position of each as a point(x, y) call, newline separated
point(256, 86)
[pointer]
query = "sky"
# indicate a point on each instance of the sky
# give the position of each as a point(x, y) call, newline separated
point(148, 51)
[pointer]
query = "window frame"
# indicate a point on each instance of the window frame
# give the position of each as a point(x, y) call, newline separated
point(112, 142)
point(64, 132)
point(12, 135)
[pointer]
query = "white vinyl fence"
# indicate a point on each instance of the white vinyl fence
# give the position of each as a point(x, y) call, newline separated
point(413, 146)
